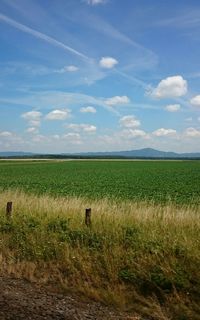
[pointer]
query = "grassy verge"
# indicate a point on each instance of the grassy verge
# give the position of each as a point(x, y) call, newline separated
point(135, 256)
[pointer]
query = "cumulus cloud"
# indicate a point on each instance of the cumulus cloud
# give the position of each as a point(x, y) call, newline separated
point(117, 100)
point(195, 101)
point(58, 114)
point(173, 107)
point(164, 132)
point(34, 123)
point(32, 116)
point(38, 138)
point(129, 122)
point(88, 109)
point(10, 140)
point(6, 134)
point(133, 133)
point(88, 128)
point(171, 87)
point(72, 138)
point(192, 133)
point(95, 2)
point(108, 62)
point(32, 130)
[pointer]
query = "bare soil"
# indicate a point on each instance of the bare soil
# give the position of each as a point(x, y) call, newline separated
point(20, 299)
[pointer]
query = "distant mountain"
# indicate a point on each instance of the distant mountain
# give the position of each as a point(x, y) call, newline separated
point(146, 153)
point(142, 153)
point(15, 154)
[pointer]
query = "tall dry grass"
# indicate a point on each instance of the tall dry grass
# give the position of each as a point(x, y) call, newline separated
point(138, 256)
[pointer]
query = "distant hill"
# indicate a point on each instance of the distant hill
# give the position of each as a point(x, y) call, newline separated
point(146, 153)
point(15, 154)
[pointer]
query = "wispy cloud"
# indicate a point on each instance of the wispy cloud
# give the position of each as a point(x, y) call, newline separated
point(88, 128)
point(61, 99)
point(65, 69)
point(111, 31)
point(42, 36)
point(132, 79)
point(95, 2)
point(173, 107)
point(100, 25)
point(189, 19)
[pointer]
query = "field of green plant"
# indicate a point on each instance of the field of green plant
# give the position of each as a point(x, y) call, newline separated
point(142, 251)
point(158, 181)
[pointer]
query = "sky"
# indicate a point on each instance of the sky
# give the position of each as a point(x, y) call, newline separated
point(99, 75)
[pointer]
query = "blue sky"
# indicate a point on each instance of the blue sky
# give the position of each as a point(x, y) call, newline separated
point(99, 75)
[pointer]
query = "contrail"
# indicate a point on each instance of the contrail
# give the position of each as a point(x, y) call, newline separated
point(42, 36)
point(56, 43)
point(135, 80)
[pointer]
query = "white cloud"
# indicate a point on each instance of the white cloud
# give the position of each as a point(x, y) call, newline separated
point(6, 134)
point(164, 132)
point(34, 123)
point(129, 122)
point(72, 138)
point(10, 141)
point(108, 62)
point(171, 87)
point(39, 138)
point(192, 133)
point(32, 130)
point(32, 115)
point(88, 110)
point(198, 119)
point(173, 107)
point(117, 100)
point(59, 99)
point(34, 119)
point(56, 137)
point(95, 2)
point(88, 128)
point(189, 119)
point(70, 68)
point(133, 133)
point(72, 135)
point(58, 114)
point(195, 101)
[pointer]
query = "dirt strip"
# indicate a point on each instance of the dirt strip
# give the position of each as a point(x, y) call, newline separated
point(20, 299)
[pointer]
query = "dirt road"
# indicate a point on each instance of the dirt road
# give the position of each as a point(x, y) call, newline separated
point(20, 299)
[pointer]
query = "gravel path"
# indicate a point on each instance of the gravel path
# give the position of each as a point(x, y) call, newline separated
point(20, 299)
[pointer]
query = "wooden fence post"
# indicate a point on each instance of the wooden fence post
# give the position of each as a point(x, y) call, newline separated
point(88, 217)
point(9, 209)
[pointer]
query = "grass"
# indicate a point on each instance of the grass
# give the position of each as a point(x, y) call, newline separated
point(137, 256)
point(158, 181)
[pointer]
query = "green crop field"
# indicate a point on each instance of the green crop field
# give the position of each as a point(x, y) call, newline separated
point(142, 249)
point(159, 181)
